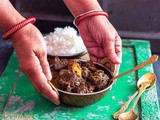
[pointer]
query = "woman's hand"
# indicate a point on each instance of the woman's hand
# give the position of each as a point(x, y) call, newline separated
point(101, 39)
point(31, 51)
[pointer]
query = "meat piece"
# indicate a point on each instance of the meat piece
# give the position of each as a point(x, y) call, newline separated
point(67, 75)
point(90, 65)
point(59, 64)
point(99, 79)
point(85, 72)
point(70, 82)
point(67, 80)
point(83, 87)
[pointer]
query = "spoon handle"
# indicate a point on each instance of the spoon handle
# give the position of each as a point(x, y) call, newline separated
point(135, 102)
point(141, 90)
point(125, 106)
point(152, 59)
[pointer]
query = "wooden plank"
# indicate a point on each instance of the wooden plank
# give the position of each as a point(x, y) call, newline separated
point(149, 101)
point(25, 100)
point(149, 107)
point(7, 80)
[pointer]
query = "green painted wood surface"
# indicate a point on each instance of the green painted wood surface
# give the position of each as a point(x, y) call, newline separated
point(25, 100)
point(7, 80)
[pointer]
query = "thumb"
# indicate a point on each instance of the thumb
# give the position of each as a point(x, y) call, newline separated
point(44, 64)
point(110, 51)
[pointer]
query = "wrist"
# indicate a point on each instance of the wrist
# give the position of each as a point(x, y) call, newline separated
point(88, 15)
point(17, 27)
point(78, 7)
point(9, 17)
point(10, 23)
point(81, 11)
point(22, 33)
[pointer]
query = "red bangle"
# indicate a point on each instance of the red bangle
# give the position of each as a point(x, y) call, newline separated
point(17, 27)
point(79, 18)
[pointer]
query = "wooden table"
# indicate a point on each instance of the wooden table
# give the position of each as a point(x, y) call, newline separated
point(18, 99)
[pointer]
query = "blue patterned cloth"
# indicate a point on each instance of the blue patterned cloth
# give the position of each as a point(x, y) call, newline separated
point(5, 52)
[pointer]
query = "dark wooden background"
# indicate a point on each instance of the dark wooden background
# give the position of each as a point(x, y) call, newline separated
point(137, 19)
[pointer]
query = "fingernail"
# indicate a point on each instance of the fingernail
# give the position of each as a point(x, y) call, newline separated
point(119, 60)
point(49, 76)
point(57, 102)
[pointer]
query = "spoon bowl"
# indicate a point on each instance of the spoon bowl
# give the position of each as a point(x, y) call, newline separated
point(147, 78)
point(145, 82)
point(130, 115)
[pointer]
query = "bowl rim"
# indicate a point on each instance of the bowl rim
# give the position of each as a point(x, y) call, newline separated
point(69, 56)
point(86, 94)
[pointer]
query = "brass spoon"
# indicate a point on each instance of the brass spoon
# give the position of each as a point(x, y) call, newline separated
point(145, 82)
point(151, 60)
point(125, 106)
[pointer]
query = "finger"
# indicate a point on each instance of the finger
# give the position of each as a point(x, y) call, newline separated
point(118, 46)
point(93, 58)
point(42, 56)
point(40, 87)
point(96, 51)
point(109, 50)
point(38, 79)
point(117, 70)
point(90, 44)
point(108, 65)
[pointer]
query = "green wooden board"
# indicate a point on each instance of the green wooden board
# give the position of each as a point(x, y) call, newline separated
point(24, 101)
point(7, 80)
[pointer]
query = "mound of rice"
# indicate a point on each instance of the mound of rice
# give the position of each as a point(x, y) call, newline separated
point(64, 42)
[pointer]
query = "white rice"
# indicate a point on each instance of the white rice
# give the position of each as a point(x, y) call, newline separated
point(64, 42)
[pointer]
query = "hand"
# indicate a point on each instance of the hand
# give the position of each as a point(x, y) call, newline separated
point(31, 51)
point(101, 39)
